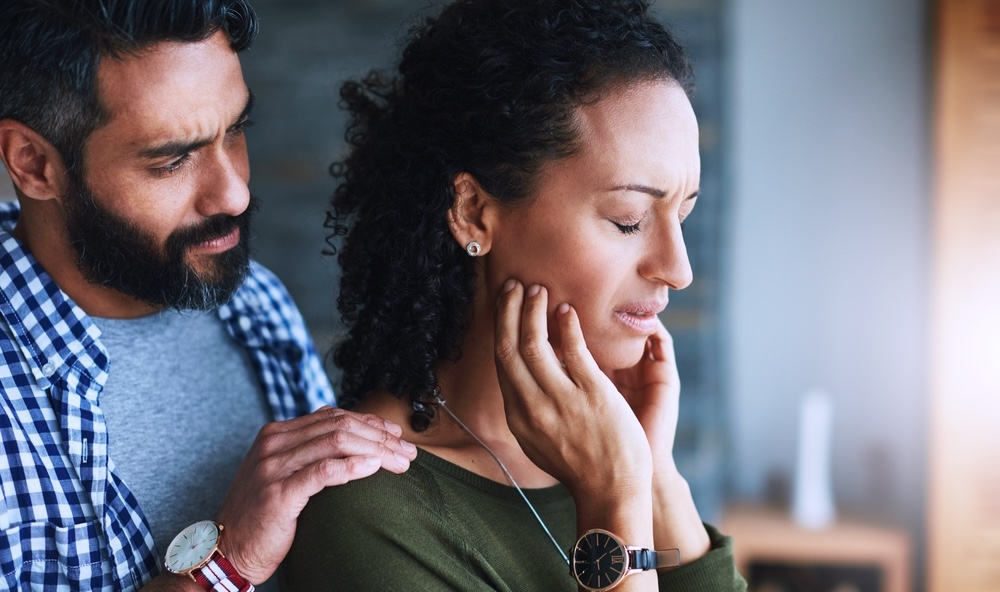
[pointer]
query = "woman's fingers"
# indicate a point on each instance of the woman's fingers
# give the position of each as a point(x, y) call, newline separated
point(523, 350)
point(507, 338)
point(541, 397)
point(522, 346)
point(580, 364)
point(661, 353)
point(537, 351)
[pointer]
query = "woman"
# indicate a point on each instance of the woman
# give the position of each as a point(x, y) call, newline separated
point(511, 211)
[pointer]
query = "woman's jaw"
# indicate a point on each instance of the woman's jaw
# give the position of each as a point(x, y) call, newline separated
point(621, 340)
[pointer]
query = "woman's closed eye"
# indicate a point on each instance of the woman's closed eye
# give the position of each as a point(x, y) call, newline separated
point(627, 228)
point(632, 227)
point(627, 222)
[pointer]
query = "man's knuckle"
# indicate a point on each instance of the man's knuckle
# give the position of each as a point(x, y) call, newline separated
point(343, 421)
point(339, 440)
point(269, 444)
point(328, 468)
point(270, 467)
point(387, 439)
point(269, 429)
point(330, 413)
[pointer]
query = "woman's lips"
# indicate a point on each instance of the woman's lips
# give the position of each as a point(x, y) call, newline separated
point(641, 317)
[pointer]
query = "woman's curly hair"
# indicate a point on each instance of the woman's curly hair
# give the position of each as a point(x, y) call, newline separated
point(487, 87)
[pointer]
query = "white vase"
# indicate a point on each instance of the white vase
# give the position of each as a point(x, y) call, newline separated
point(812, 494)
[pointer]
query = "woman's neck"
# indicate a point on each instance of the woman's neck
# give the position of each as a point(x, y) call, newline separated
point(471, 391)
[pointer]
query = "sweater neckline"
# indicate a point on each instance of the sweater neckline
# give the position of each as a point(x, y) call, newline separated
point(540, 495)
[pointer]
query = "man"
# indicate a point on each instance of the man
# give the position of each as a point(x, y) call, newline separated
point(142, 349)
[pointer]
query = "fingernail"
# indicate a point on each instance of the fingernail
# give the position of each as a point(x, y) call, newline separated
point(509, 285)
point(407, 446)
point(534, 289)
point(563, 308)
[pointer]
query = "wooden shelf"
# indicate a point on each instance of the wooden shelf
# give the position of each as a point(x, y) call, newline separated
point(768, 535)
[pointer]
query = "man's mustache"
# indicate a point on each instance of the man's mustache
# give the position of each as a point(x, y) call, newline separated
point(209, 229)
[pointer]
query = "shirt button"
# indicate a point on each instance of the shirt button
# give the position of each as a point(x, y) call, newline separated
point(48, 369)
point(245, 323)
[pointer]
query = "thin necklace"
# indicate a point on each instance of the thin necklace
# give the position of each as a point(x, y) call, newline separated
point(440, 401)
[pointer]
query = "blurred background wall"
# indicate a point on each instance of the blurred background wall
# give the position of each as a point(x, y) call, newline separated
point(827, 257)
point(811, 244)
point(826, 262)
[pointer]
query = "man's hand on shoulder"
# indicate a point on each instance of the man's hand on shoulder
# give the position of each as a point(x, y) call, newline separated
point(289, 462)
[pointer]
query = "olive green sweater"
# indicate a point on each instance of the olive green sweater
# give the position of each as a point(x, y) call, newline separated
point(440, 527)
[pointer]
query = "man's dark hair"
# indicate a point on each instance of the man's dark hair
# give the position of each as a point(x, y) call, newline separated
point(50, 51)
point(489, 87)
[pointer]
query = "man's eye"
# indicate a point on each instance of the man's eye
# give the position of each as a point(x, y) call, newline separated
point(172, 166)
point(240, 126)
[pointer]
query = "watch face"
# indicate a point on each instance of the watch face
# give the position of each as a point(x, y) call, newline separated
point(192, 547)
point(599, 560)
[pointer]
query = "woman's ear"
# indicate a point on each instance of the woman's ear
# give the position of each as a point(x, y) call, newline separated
point(471, 217)
point(33, 163)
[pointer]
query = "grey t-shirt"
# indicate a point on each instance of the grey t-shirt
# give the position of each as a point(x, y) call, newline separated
point(183, 405)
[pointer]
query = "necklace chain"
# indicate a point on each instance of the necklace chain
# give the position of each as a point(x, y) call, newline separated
point(440, 401)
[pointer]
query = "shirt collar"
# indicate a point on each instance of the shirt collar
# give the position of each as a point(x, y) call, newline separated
point(55, 336)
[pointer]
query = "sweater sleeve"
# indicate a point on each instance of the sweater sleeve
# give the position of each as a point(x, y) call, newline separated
point(713, 572)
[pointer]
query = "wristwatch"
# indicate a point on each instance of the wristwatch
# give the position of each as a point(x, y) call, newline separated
point(600, 560)
point(195, 553)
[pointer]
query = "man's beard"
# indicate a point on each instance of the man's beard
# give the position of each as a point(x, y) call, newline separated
point(116, 253)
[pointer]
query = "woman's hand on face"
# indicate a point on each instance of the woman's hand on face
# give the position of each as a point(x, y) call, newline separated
point(652, 388)
point(569, 419)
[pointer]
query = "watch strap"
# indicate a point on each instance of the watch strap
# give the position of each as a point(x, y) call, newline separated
point(646, 559)
point(219, 575)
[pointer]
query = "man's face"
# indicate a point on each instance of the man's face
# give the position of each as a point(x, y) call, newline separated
point(114, 252)
point(162, 210)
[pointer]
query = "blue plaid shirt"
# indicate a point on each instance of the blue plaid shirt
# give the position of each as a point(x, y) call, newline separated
point(67, 521)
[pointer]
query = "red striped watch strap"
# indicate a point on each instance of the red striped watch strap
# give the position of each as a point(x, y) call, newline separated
point(219, 575)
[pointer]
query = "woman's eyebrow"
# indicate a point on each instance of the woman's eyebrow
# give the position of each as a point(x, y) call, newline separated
point(641, 189)
point(657, 193)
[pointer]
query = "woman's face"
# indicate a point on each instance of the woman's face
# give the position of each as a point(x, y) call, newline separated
point(603, 230)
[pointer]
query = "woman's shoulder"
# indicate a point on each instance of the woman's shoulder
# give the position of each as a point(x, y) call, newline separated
point(385, 532)
point(384, 497)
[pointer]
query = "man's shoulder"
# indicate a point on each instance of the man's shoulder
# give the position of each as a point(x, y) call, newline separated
point(262, 283)
point(38, 318)
point(262, 308)
point(262, 316)
point(262, 295)
point(10, 211)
